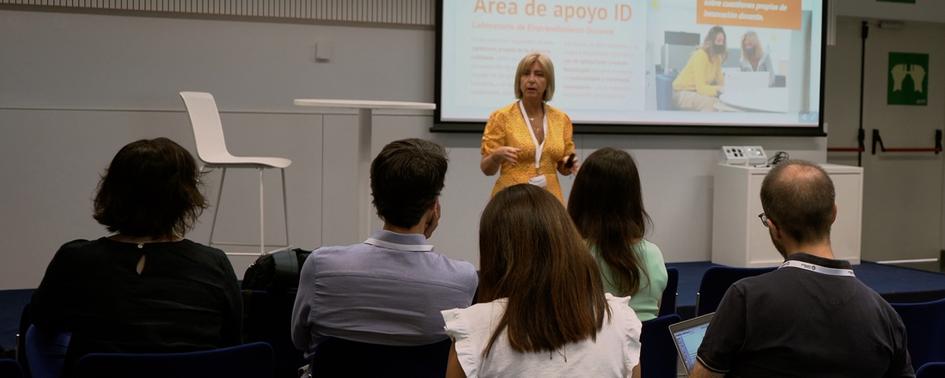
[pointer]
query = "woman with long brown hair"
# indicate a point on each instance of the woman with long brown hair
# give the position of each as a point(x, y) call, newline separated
point(606, 205)
point(542, 310)
point(698, 85)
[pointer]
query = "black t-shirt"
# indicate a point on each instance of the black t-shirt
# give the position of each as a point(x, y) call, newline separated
point(794, 322)
point(186, 297)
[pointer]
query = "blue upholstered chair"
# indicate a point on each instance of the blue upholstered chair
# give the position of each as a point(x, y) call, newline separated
point(658, 352)
point(668, 301)
point(254, 360)
point(10, 369)
point(664, 92)
point(931, 370)
point(716, 281)
point(344, 358)
point(925, 329)
point(45, 351)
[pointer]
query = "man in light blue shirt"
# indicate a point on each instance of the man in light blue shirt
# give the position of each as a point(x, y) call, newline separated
point(391, 288)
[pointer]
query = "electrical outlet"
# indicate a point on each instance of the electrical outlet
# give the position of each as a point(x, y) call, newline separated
point(323, 51)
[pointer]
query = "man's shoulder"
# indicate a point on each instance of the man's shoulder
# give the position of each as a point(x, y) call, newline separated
point(459, 264)
point(461, 271)
point(339, 253)
point(362, 256)
point(773, 279)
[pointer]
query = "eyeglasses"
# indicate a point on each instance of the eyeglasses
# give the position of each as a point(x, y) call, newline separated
point(764, 219)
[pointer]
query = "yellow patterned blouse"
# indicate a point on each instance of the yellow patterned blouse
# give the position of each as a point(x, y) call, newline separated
point(507, 127)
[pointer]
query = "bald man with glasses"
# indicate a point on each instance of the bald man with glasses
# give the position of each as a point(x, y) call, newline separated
point(811, 317)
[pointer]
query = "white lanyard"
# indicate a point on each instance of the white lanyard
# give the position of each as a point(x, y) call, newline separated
point(544, 128)
point(817, 268)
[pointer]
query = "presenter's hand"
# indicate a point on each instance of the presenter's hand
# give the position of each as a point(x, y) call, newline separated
point(568, 170)
point(506, 154)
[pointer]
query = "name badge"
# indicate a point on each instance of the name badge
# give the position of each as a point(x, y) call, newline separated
point(539, 181)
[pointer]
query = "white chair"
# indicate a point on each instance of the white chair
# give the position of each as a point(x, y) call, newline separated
point(211, 148)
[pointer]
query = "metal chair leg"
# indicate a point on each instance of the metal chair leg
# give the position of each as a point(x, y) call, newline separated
point(262, 213)
point(262, 223)
point(285, 207)
point(216, 208)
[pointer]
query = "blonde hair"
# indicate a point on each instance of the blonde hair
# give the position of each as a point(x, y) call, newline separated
point(545, 62)
point(759, 51)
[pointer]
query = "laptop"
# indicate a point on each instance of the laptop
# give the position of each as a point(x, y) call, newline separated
point(687, 335)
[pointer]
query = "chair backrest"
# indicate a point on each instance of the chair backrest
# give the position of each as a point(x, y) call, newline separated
point(267, 317)
point(46, 351)
point(254, 360)
point(658, 352)
point(668, 301)
point(925, 330)
point(208, 129)
point(931, 370)
point(664, 92)
point(21, 330)
point(342, 358)
point(9, 368)
point(716, 281)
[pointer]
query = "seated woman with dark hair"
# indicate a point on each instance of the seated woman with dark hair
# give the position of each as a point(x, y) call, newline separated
point(606, 205)
point(542, 310)
point(144, 288)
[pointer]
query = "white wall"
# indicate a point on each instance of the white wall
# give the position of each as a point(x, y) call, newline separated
point(922, 10)
point(74, 88)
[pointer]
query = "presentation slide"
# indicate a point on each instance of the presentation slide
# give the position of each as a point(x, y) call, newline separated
point(753, 63)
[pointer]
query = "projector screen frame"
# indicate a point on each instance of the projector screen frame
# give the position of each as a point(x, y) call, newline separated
point(641, 128)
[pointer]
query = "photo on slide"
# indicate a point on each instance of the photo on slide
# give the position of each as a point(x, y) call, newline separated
point(711, 63)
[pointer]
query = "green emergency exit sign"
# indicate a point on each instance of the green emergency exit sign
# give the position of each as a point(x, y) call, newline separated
point(908, 79)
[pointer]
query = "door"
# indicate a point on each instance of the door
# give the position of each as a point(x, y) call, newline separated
point(902, 192)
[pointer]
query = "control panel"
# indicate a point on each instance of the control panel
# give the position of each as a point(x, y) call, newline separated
point(744, 155)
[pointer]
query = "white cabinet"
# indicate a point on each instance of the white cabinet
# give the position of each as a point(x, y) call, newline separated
point(738, 237)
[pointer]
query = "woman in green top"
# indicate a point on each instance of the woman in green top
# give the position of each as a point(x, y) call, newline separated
point(606, 205)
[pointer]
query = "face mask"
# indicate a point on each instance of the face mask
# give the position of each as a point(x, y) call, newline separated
point(718, 49)
point(749, 50)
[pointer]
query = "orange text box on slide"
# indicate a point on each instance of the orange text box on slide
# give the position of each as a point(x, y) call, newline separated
point(778, 14)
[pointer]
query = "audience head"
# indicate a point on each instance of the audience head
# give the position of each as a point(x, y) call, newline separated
point(547, 67)
point(406, 180)
point(798, 200)
point(150, 190)
point(531, 253)
point(606, 204)
point(716, 42)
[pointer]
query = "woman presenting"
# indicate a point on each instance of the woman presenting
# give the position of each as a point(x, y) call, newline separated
point(529, 141)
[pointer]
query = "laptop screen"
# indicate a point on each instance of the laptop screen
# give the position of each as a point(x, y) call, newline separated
point(688, 336)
